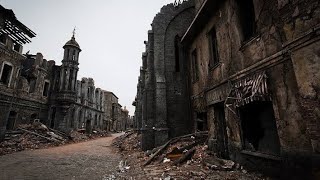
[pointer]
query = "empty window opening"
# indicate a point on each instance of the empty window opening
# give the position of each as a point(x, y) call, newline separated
point(221, 131)
point(74, 55)
point(247, 18)
point(202, 124)
point(6, 74)
point(3, 39)
point(16, 47)
point(259, 128)
point(32, 85)
point(177, 55)
point(11, 120)
point(45, 89)
point(195, 68)
point(67, 54)
point(214, 54)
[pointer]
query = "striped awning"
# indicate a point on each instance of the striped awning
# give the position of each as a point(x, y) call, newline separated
point(247, 90)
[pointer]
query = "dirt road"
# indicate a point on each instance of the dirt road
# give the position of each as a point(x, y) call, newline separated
point(88, 160)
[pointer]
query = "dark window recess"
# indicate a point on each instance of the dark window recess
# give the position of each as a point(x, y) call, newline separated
point(74, 55)
point(45, 89)
point(3, 39)
point(11, 120)
point(247, 19)
point(6, 74)
point(32, 85)
point(96, 120)
point(202, 124)
point(16, 47)
point(195, 68)
point(176, 52)
point(214, 53)
point(259, 128)
point(68, 51)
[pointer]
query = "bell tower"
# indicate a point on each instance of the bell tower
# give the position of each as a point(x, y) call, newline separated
point(69, 68)
point(67, 92)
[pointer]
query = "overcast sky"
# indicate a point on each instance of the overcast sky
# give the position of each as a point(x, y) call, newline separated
point(110, 34)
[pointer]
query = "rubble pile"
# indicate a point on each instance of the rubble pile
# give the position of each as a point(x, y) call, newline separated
point(185, 157)
point(31, 136)
point(37, 136)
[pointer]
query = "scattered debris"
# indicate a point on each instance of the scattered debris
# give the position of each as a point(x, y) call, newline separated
point(185, 157)
point(37, 135)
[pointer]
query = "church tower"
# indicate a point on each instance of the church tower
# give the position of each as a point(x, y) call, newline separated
point(69, 68)
point(67, 92)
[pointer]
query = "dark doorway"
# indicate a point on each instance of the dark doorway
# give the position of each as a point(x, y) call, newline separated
point(53, 117)
point(259, 128)
point(222, 136)
point(11, 120)
point(88, 126)
point(201, 120)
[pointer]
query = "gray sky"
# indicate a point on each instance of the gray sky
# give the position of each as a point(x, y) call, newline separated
point(110, 34)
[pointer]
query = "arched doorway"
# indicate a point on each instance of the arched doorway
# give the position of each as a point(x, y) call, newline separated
point(11, 120)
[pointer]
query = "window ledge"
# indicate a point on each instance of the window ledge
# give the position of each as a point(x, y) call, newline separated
point(261, 155)
point(214, 66)
point(246, 43)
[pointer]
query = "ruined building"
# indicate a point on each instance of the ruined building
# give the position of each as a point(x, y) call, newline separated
point(163, 83)
point(114, 114)
point(34, 88)
point(252, 71)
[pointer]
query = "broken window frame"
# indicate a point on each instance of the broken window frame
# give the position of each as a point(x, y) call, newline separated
point(45, 92)
point(8, 79)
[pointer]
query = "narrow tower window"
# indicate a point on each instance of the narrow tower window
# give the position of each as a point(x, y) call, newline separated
point(177, 58)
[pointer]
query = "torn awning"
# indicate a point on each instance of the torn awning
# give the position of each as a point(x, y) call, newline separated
point(247, 90)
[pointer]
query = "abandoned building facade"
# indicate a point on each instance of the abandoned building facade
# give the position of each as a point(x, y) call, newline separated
point(34, 88)
point(245, 71)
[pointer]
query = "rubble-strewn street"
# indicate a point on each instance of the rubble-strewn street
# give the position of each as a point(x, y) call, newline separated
point(92, 160)
point(38, 136)
point(199, 165)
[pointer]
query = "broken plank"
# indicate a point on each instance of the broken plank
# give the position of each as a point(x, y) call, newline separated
point(54, 140)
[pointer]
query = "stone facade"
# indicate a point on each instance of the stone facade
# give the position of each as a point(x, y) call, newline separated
point(253, 81)
point(34, 88)
point(162, 84)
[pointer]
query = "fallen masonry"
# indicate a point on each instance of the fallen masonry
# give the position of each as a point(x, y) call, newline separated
point(37, 136)
point(185, 157)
